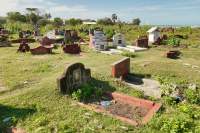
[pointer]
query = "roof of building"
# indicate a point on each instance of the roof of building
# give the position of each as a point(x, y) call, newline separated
point(153, 29)
point(89, 23)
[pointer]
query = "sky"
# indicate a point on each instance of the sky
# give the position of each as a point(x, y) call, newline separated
point(162, 12)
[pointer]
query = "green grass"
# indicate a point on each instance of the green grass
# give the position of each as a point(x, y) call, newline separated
point(32, 98)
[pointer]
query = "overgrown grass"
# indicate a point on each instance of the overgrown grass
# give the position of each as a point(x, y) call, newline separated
point(37, 106)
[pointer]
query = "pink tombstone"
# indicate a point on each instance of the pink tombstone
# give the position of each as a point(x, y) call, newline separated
point(42, 50)
point(121, 68)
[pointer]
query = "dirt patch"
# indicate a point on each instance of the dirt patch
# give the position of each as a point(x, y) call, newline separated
point(131, 110)
point(128, 111)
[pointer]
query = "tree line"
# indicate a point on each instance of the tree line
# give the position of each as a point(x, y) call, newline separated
point(35, 17)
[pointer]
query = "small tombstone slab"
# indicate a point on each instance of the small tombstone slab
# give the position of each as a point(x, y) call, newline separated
point(121, 68)
point(72, 49)
point(42, 50)
point(23, 47)
point(73, 77)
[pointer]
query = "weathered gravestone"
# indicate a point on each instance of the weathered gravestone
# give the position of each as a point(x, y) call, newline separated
point(23, 47)
point(142, 41)
point(4, 41)
point(4, 38)
point(42, 50)
point(73, 77)
point(72, 49)
point(173, 54)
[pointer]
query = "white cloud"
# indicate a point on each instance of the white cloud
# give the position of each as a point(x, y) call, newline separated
point(56, 9)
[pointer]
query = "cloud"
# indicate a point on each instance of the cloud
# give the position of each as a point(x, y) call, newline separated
point(55, 8)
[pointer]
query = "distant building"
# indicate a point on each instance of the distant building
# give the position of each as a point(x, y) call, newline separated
point(89, 23)
point(154, 34)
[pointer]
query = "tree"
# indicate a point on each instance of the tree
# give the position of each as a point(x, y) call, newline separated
point(136, 21)
point(16, 16)
point(2, 21)
point(73, 22)
point(105, 21)
point(33, 15)
point(114, 18)
point(58, 22)
point(43, 22)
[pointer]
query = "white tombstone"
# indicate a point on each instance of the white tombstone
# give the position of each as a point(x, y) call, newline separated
point(154, 34)
point(99, 41)
point(119, 40)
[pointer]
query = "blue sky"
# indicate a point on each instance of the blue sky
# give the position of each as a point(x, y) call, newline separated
point(181, 12)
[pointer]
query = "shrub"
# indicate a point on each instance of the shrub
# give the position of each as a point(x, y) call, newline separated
point(190, 110)
point(176, 123)
point(175, 42)
point(192, 96)
point(129, 54)
point(169, 100)
point(109, 33)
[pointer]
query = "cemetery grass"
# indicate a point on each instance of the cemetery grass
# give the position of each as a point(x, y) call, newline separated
point(32, 100)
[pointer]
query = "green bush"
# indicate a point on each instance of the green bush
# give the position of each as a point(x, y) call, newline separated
point(175, 42)
point(190, 110)
point(192, 96)
point(129, 54)
point(109, 33)
point(176, 123)
point(169, 100)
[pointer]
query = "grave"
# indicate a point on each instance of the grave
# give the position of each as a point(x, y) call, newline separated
point(119, 40)
point(121, 69)
point(69, 46)
point(42, 50)
point(173, 54)
point(73, 77)
point(56, 36)
point(4, 38)
point(4, 41)
point(72, 49)
point(23, 47)
point(98, 41)
point(142, 41)
point(46, 41)
point(131, 110)
point(71, 36)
